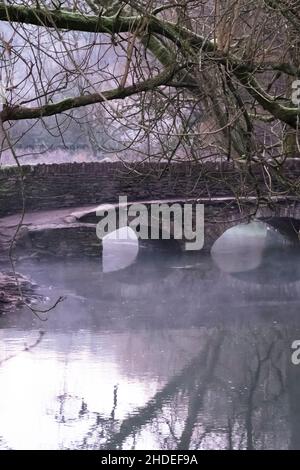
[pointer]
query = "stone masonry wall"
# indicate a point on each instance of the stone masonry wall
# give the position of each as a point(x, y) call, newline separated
point(77, 184)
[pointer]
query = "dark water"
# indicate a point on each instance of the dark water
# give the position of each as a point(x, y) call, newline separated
point(173, 351)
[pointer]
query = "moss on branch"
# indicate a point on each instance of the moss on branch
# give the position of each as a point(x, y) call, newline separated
point(20, 112)
point(184, 39)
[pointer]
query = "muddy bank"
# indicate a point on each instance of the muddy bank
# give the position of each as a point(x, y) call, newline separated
point(10, 287)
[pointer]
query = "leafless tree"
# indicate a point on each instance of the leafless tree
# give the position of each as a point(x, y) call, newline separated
point(171, 79)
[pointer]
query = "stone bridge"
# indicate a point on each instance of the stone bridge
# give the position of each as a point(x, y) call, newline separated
point(67, 232)
point(219, 214)
point(55, 194)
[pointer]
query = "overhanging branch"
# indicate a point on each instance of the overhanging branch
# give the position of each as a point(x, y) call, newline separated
point(188, 42)
point(19, 113)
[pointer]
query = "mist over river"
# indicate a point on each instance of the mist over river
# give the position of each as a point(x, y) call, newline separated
point(157, 350)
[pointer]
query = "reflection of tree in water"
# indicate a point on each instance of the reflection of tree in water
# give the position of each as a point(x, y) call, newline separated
point(73, 410)
point(254, 402)
point(239, 392)
point(232, 395)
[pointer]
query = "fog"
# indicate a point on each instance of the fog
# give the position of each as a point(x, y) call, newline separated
point(156, 350)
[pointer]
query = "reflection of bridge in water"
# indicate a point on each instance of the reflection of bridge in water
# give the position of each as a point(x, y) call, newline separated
point(223, 365)
point(155, 287)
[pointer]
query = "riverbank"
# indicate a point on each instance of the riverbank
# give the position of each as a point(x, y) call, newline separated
point(11, 287)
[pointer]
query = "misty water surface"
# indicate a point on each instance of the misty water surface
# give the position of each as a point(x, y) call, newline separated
point(155, 349)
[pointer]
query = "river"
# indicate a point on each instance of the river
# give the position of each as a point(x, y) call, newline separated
point(157, 350)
